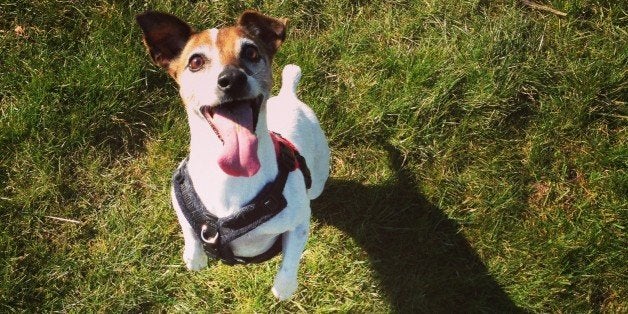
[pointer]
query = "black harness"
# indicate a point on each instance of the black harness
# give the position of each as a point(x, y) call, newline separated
point(217, 233)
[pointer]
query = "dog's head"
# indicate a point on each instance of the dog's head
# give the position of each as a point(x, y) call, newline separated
point(224, 75)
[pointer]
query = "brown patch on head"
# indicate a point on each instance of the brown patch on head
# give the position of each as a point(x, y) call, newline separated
point(226, 43)
point(171, 42)
point(199, 39)
point(195, 41)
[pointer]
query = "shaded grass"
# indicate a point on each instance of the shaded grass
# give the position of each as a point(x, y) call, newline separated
point(479, 159)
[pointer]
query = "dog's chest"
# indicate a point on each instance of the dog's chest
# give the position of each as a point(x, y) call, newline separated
point(223, 195)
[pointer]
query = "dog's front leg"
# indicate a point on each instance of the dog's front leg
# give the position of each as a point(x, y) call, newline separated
point(193, 254)
point(293, 244)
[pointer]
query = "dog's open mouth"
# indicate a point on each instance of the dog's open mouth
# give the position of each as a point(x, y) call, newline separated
point(234, 124)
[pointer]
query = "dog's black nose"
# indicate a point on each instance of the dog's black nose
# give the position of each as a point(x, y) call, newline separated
point(231, 80)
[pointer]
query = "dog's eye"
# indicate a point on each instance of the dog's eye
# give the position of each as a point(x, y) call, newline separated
point(196, 62)
point(250, 53)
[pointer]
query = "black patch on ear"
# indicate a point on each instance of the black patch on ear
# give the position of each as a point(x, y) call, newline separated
point(270, 30)
point(165, 35)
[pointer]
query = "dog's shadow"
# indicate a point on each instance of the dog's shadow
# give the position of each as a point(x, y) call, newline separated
point(422, 261)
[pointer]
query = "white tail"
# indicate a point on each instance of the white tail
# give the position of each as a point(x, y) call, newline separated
point(290, 77)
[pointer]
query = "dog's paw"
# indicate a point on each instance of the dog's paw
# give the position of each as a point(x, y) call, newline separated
point(284, 286)
point(194, 260)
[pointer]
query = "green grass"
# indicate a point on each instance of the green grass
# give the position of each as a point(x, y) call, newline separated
point(480, 156)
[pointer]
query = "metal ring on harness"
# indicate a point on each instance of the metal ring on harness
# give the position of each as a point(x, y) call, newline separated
point(204, 237)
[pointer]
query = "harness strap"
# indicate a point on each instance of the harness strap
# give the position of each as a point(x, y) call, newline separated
point(204, 224)
point(288, 154)
point(217, 233)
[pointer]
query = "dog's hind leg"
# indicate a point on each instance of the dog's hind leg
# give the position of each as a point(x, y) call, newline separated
point(193, 254)
point(293, 244)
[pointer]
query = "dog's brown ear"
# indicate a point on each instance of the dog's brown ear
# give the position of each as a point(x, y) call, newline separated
point(165, 35)
point(270, 30)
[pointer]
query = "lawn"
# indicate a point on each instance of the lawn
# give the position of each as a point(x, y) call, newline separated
point(479, 159)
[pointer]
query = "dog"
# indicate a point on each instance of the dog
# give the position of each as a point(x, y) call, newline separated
point(225, 78)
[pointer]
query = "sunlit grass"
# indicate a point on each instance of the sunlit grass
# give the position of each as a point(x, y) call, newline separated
point(479, 159)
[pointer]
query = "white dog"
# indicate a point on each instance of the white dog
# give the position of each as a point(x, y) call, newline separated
point(244, 192)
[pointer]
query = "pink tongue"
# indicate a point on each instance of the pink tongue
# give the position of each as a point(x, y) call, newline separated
point(239, 153)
